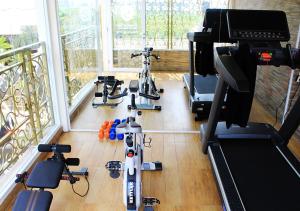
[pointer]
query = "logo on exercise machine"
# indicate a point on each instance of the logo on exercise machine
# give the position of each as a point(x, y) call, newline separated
point(131, 192)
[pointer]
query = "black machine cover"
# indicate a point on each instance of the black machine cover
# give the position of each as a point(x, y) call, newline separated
point(259, 33)
point(216, 21)
point(238, 105)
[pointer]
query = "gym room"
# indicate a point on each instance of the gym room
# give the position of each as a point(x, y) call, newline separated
point(154, 105)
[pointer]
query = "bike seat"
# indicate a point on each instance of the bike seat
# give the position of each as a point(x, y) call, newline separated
point(134, 86)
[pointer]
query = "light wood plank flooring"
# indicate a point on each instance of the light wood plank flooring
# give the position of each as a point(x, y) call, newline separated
point(186, 182)
point(175, 114)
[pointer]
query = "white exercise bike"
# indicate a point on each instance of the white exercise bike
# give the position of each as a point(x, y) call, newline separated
point(147, 87)
point(134, 144)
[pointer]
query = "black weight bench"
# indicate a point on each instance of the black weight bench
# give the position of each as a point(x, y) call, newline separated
point(111, 91)
point(33, 200)
point(46, 175)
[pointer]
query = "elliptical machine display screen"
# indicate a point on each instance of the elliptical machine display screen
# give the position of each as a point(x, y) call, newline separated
point(257, 25)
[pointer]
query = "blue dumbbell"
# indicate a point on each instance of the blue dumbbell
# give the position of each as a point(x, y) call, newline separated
point(112, 130)
point(112, 135)
point(120, 136)
point(117, 121)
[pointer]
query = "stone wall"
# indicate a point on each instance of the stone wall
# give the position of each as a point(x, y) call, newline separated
point(170, 60)
point(272, 82)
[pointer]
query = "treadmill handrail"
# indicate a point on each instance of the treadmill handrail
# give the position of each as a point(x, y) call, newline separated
point(199, 37)
point(230, 71)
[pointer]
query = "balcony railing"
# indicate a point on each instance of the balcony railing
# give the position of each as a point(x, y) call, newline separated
point(79, 51)
point(25, 101)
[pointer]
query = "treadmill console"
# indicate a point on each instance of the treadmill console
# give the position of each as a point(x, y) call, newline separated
point(216, 21)
point(257, 25)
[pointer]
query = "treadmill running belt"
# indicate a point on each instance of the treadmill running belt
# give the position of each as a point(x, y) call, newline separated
point(204, 85)
point(264, 179)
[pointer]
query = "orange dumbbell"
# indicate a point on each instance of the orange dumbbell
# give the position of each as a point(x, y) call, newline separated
point(103, 127)
point(106, 134)
point(105, 123)
point(101, 134)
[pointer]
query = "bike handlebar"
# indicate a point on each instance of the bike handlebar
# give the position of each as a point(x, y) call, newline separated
point(146, 53)
point(156, 56)
point(135, 55)
point(140, 54)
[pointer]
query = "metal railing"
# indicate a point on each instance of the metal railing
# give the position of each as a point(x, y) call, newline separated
point(79, 52)
point(25, 101)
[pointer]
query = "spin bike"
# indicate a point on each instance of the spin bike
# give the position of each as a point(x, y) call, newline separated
point(147, 88)
point(134, 144)
point(111, 86)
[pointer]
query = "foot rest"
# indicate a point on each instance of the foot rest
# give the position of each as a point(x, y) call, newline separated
point(134, 86)
point(33, 201)
point(150, 201)
point(114, 167)
point(152, 166)
point(46, 174)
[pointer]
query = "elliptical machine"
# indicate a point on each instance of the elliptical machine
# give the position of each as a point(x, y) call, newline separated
point(134, 144)
point(111, 85)
point(147, 87)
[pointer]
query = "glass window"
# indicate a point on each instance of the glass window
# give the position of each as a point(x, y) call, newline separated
point(168, 21)
point(26, 114)
point(80, 38)
point(18, 21)
point(127, 32)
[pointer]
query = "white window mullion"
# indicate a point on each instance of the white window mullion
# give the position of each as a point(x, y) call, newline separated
point(144, 16)
point(107, 35)
point(50, 34)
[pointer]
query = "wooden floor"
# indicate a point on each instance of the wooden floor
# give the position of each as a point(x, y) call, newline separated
point(186, 182)
point(175, 114)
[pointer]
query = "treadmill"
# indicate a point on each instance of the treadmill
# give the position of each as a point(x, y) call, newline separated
point(201, 86)
point(253, 167)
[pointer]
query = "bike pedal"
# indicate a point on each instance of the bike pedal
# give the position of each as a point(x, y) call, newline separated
point(114, 168)
point(150, 201)
point(113, 165)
